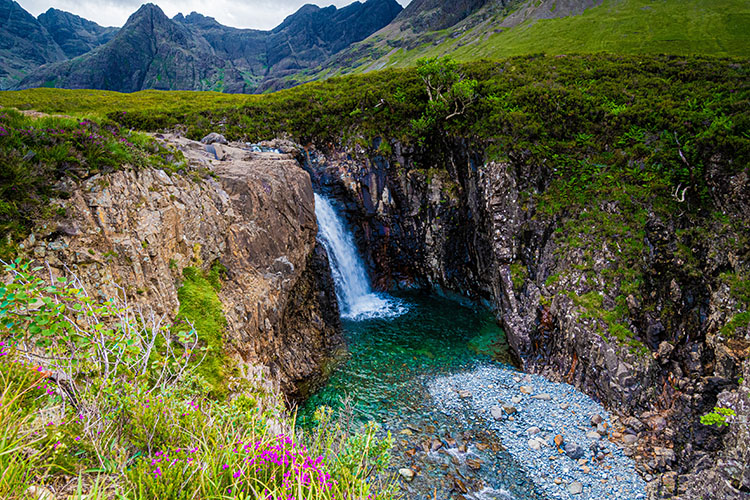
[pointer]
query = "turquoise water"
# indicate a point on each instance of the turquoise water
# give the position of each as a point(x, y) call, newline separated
point(390, 361)
point(390, 358)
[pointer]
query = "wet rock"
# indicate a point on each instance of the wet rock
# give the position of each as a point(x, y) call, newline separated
point(573, 451)
point(510, 410)
point(535, 444)
point(526, 389)
point(593, 435)
point(634, 424)
point(515, 400)
point(596, 419)
point(464, 394)
point(629, 439)
point(473, 463)
point(533, 430)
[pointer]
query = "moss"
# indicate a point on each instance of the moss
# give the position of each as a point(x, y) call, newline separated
point(518, 274)
point(200, 307)
point(611, 322)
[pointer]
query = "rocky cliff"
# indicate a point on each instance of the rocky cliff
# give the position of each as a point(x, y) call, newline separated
point(132, 232)
point(24, 44)
point(638, 307)
point(75, 35)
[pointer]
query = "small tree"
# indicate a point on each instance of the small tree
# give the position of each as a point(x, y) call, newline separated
point(449, 92)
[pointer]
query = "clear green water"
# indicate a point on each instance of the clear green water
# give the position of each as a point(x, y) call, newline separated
point(390, 362)
point(390, 359)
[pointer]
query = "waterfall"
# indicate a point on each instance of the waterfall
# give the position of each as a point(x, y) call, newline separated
point(356, 299)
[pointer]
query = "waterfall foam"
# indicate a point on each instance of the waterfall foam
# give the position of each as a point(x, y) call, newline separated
point(356, 299)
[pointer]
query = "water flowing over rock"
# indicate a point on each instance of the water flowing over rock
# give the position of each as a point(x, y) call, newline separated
point(355, 295)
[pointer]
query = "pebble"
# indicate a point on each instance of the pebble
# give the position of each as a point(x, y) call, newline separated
point(526, 389)
point(497, 412)
point(515, 399)
point(596, 419)
point(407, 474)
point(510, 410)
point(567, 413)
point(593, 435)
point(575, 488)
point(542, 397)
point(573, 451)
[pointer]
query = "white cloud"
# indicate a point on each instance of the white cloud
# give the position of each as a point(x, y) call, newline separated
point(258, 14)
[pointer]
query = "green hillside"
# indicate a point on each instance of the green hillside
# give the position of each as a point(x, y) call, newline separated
point(720, 27)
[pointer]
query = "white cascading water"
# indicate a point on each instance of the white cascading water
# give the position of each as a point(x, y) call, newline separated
point(356, 299)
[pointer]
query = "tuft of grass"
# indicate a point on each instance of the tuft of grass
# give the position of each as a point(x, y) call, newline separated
point(200, 307)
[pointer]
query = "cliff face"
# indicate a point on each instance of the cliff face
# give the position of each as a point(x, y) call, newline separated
point(638, 319)
point(253, 213)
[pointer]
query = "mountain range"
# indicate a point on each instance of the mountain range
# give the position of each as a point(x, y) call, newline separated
point(195, 52)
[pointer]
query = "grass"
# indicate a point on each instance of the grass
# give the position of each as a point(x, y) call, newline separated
point(201, 308)
point(688, 27)
point(114, 430)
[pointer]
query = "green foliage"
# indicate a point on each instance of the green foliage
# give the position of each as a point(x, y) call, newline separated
point(128, 420)
point(448, 93)
point(200, 307)
point(36, 153)
point(718, 416)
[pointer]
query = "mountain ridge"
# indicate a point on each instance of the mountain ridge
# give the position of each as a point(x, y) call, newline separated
point(195, 52)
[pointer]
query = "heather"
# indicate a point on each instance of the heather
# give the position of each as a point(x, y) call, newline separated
point(37, 153)
point(105, 399)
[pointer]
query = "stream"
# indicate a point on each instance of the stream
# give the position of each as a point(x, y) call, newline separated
point(437, 375)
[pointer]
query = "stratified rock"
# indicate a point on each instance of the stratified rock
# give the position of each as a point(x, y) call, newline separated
point(256, 217)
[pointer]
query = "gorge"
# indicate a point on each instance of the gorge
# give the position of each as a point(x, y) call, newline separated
point(573, 237)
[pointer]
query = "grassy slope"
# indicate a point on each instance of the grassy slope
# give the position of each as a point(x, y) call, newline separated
point(720, 27)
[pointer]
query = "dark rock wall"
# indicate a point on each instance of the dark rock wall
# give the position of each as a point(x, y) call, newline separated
point(455, 224)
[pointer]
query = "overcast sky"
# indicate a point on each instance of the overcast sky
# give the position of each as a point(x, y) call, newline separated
point(260, 14)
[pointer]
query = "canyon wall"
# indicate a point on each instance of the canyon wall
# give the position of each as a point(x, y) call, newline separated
point(132, 232)
point(632, 308)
